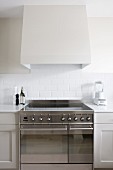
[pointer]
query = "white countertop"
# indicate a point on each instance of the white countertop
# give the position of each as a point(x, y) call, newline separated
point(10, 108)
point(98, 109)
point(101, 109)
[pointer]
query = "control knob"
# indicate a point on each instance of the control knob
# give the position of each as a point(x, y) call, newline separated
point(69, 118)
point(33, 119)
point(82, 118)
point(48, 118)
point(63, 118)
point(88, 118)
point(75, 118)
point(40, 118)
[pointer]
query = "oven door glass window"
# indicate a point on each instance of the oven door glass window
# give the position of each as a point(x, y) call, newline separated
point(43, 144)
point(80, 144)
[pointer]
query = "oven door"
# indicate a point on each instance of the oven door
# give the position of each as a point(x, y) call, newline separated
point(43, 144)
point(81, 144)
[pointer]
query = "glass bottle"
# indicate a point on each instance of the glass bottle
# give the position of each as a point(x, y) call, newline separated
point(22, 96)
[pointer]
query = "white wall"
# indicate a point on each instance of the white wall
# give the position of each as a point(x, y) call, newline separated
point(10, 45)
point(101, 44)
point(65, 81)
point(55, 82)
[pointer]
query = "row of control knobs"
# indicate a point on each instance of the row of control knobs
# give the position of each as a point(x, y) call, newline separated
point(82, 118)
point(63, 118)
point(40, 118)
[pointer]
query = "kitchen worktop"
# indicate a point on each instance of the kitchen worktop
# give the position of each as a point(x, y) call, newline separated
point(98, 109)
point(101, 109)
point(10, 108)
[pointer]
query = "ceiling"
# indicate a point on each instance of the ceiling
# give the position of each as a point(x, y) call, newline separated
point(95, 8)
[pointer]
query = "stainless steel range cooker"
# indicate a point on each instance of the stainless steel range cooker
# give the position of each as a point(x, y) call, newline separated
point(56, 135)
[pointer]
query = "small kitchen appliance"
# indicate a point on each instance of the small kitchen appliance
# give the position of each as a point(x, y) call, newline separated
point(99, 98)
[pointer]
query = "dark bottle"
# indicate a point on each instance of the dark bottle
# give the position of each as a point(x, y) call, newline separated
point(17, 99)
point(22, 96)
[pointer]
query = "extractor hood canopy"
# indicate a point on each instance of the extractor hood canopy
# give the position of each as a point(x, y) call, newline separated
point(55, 34)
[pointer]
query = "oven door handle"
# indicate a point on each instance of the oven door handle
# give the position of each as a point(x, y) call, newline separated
point(43, 129)
point(90, 128)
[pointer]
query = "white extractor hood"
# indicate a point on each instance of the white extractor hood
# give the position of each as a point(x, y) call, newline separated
point(55, 34)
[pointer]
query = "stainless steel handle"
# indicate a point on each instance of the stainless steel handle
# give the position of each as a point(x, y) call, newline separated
point(81, 128)
point(43, 129)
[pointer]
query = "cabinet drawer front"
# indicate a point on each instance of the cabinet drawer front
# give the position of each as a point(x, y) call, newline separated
point(56, 166)
point(103, 118)
point(8, 118)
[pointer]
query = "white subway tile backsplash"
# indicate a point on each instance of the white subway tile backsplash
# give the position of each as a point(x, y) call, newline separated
point(63, 87)
point(70, 94)
point(55, 82)
point(45, 94)
point(57, 94)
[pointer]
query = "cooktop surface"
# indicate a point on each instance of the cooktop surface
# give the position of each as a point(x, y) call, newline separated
point(55, 104)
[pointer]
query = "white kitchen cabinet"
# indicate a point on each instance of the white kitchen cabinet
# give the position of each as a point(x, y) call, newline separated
point(8, 146)
point(103, 140)
point(8, 142)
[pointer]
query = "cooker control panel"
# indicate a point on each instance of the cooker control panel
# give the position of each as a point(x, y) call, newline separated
point(58, 117)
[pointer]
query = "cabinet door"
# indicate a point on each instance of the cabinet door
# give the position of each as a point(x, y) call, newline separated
point(8, 149)
point(103, 146)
